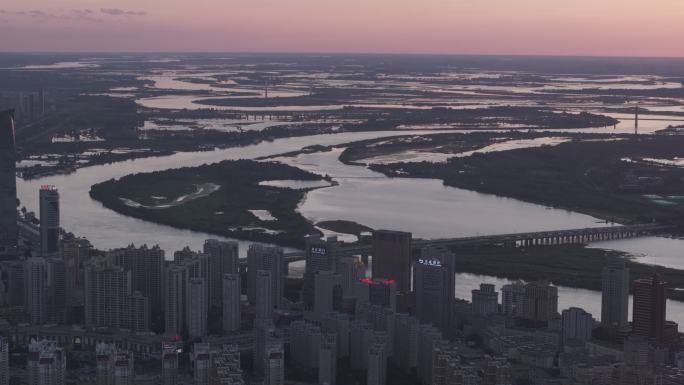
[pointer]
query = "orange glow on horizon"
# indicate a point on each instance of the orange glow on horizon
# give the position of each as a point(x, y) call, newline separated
point(579, 27)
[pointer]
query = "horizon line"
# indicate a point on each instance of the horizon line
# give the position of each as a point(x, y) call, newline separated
point(341, 53)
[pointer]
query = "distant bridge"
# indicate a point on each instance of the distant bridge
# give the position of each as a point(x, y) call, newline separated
point(540, 238)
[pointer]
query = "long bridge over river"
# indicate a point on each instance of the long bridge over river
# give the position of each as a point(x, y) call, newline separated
point(530, 239)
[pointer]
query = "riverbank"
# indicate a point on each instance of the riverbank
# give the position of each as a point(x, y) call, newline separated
point(573, 266)
point(605, 179)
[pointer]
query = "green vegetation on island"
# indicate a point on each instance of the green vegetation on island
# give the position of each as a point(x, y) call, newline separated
point(345, 227)
point(617, 180)
point(223, 198)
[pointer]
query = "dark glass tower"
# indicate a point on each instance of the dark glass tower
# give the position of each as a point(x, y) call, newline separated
point(8, 185)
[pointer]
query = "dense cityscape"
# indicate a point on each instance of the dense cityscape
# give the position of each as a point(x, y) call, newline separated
point(375, 315)
point(341, 192)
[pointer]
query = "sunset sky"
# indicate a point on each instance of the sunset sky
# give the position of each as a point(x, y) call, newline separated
point(545, 27)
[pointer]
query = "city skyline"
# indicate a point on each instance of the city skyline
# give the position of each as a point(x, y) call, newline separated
point(532, 27)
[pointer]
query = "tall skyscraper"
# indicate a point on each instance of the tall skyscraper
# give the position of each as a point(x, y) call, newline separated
point(4, 361)
point(435, 288)
point(231, 303)
point(649, 308)
point(392, 257)
point(223, 259)
point(197, 311)
point(265, 258)
point(35, 294)
point(614, 295)
point(485, 300)
point(46, 363)
point(264, 296)
point(8, 186)
point(321, 255)
point(49, 221)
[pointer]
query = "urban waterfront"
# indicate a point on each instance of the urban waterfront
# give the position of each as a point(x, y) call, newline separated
point(159, 236)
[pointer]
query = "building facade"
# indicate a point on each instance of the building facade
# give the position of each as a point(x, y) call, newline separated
point(49, 221)
point(8, 186)
point(392, 257)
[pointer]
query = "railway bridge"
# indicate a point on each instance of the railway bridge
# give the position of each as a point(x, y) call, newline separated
point(529, 239)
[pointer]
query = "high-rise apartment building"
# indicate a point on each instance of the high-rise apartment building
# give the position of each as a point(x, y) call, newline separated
point(226, 366)
point(485, 300)
point(109, 301)
point(512, 296)
point(274, 365)
point(377, 365)
point(12, 279)
point(392, 257)
point(264, 296)
point(198, 307)
point(324, 284)
point(46, 363)
point(223, 259)
point(178, 300)
point(231, 303)
point(540, 303)
point(36, 292)
point(327, 368)
point(175, 287)
point(614, 295)
point(382, 292)
point(49, 221)
point(351, 271)
point(406, 341)
point(113, 366)
point(56, 290)
point(305, 342)
point(147, 272)
point(577, 324)
point(75, 252)
point(201, 363)
point(8, 186)
point(649, 309)
point(265, 258)
point(4, 361)
point(169, 359)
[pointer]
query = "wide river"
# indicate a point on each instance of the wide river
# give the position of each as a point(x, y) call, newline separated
point(422, 206)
